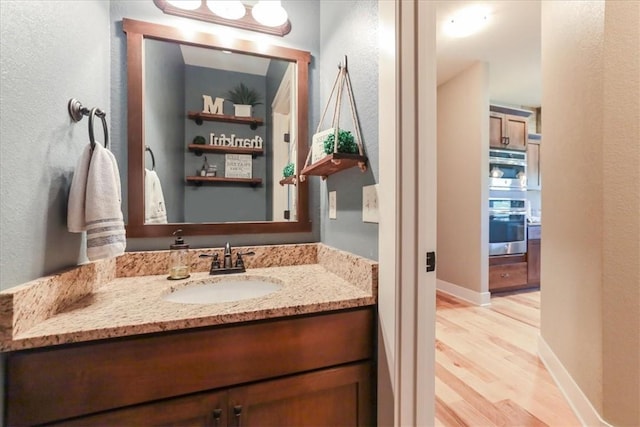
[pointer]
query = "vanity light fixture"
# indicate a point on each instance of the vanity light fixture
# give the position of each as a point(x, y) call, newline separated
point(468, 21)
point(269, 13)
point(267, 17)
point(227, 9)
point(185, 4)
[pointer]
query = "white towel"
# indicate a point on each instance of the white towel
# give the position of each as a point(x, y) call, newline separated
point(155, 212)
point(95, 203)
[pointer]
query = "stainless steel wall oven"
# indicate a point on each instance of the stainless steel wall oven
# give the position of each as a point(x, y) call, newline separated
point(507, 170)
point(507, 225)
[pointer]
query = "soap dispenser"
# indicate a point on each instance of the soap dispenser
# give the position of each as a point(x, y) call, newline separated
point(178, 262)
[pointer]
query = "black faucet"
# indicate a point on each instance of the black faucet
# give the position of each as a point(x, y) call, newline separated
point(227, 264)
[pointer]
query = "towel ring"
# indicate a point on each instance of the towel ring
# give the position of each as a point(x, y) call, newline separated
point(96, 111)
point(153, 158)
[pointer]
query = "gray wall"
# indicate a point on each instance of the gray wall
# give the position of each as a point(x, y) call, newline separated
point(350, 28)
point(222, 202)
point(164, 93)
point(49, 54)
point(304, 35)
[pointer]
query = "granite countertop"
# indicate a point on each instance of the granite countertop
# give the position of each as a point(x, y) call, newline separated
point(108, 299)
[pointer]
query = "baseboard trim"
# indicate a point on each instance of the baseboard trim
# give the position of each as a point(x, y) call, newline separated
point(476, 298)
point(581, 406)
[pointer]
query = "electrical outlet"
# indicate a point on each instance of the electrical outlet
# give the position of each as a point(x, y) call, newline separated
point(332, 205)
point(370, 203)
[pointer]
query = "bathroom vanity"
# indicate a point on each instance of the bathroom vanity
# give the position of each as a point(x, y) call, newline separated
point(117, 353)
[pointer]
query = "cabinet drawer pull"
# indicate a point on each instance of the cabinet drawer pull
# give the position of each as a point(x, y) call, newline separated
point(504, 275)
point(217, 415)
point(237, 411)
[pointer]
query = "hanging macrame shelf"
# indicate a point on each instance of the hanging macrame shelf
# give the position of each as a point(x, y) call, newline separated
point(335, 162)
point(290, 180)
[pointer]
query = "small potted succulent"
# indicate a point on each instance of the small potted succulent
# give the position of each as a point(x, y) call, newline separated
point(289, 170)
point(346, 142)
point(244, 99)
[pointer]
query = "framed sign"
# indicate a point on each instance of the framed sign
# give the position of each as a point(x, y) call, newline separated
point(317, 145)
point(237, 166)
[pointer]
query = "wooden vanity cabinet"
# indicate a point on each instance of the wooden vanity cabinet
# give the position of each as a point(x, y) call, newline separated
point(331, 397)
point(508, 131)
point(306, 370)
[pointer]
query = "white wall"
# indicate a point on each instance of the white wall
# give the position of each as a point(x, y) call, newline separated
point(590, 308)
point(621, 210)
point(463, 155)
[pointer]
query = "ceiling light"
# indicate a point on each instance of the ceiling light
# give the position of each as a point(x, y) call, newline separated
point(227, 9)
point(185, 4)
point(269, 13)
point(466, 22)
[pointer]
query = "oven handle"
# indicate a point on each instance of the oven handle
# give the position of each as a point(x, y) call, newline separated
point(508, 211)
point(507, 162)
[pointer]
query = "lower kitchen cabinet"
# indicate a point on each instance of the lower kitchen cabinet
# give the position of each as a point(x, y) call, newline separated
point(533, 255)
point(331, 397)
point(316, 369)
point(507, 276)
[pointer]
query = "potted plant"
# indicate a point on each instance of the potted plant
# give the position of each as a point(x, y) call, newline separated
point(243, 99)
point(346, 142)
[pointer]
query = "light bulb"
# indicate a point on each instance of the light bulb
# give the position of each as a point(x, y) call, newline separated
point(269, 13)
point(185, 4)
point(227, 9)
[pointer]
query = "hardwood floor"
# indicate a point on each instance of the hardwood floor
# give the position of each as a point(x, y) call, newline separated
point(487, 369)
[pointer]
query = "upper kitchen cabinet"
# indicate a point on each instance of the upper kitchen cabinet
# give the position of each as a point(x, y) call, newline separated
point(534, 180)
point(508, 128)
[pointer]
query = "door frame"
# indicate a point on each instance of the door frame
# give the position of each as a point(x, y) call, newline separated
point(407, 101)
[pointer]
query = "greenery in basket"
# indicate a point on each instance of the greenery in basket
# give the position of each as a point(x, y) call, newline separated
point(199, 140)
point(242, 95)
point(289, 170)
point(346, 143)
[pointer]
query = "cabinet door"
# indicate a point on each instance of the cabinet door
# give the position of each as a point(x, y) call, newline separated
point(205, 409)
point(517, 132)
point(331, 397)
point(534, 181)
point(496, 130)
point(533, 262)
point(507, 276)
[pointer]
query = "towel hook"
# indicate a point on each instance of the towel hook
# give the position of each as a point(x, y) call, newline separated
point(153, 158)
point(95, 111)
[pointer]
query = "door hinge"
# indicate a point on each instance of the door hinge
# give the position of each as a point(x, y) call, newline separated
point(431, 261)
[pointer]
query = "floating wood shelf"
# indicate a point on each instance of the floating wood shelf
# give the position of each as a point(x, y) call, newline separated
point(198, 149)
point(199, 117)
point(334, 163)
point(290, 180)
point(199, 180)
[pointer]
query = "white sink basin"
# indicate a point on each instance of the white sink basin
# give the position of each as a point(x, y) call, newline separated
point(223, 290)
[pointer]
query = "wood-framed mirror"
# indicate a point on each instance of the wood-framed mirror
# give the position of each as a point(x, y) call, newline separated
point(284, 208)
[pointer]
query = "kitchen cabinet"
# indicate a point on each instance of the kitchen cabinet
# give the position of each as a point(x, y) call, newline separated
point(534, 178)
point(533, 255)
point(508, 131)
point(507, 272)
point(304, 370)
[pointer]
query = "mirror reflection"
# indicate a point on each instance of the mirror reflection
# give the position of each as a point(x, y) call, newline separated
point(208, 162)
